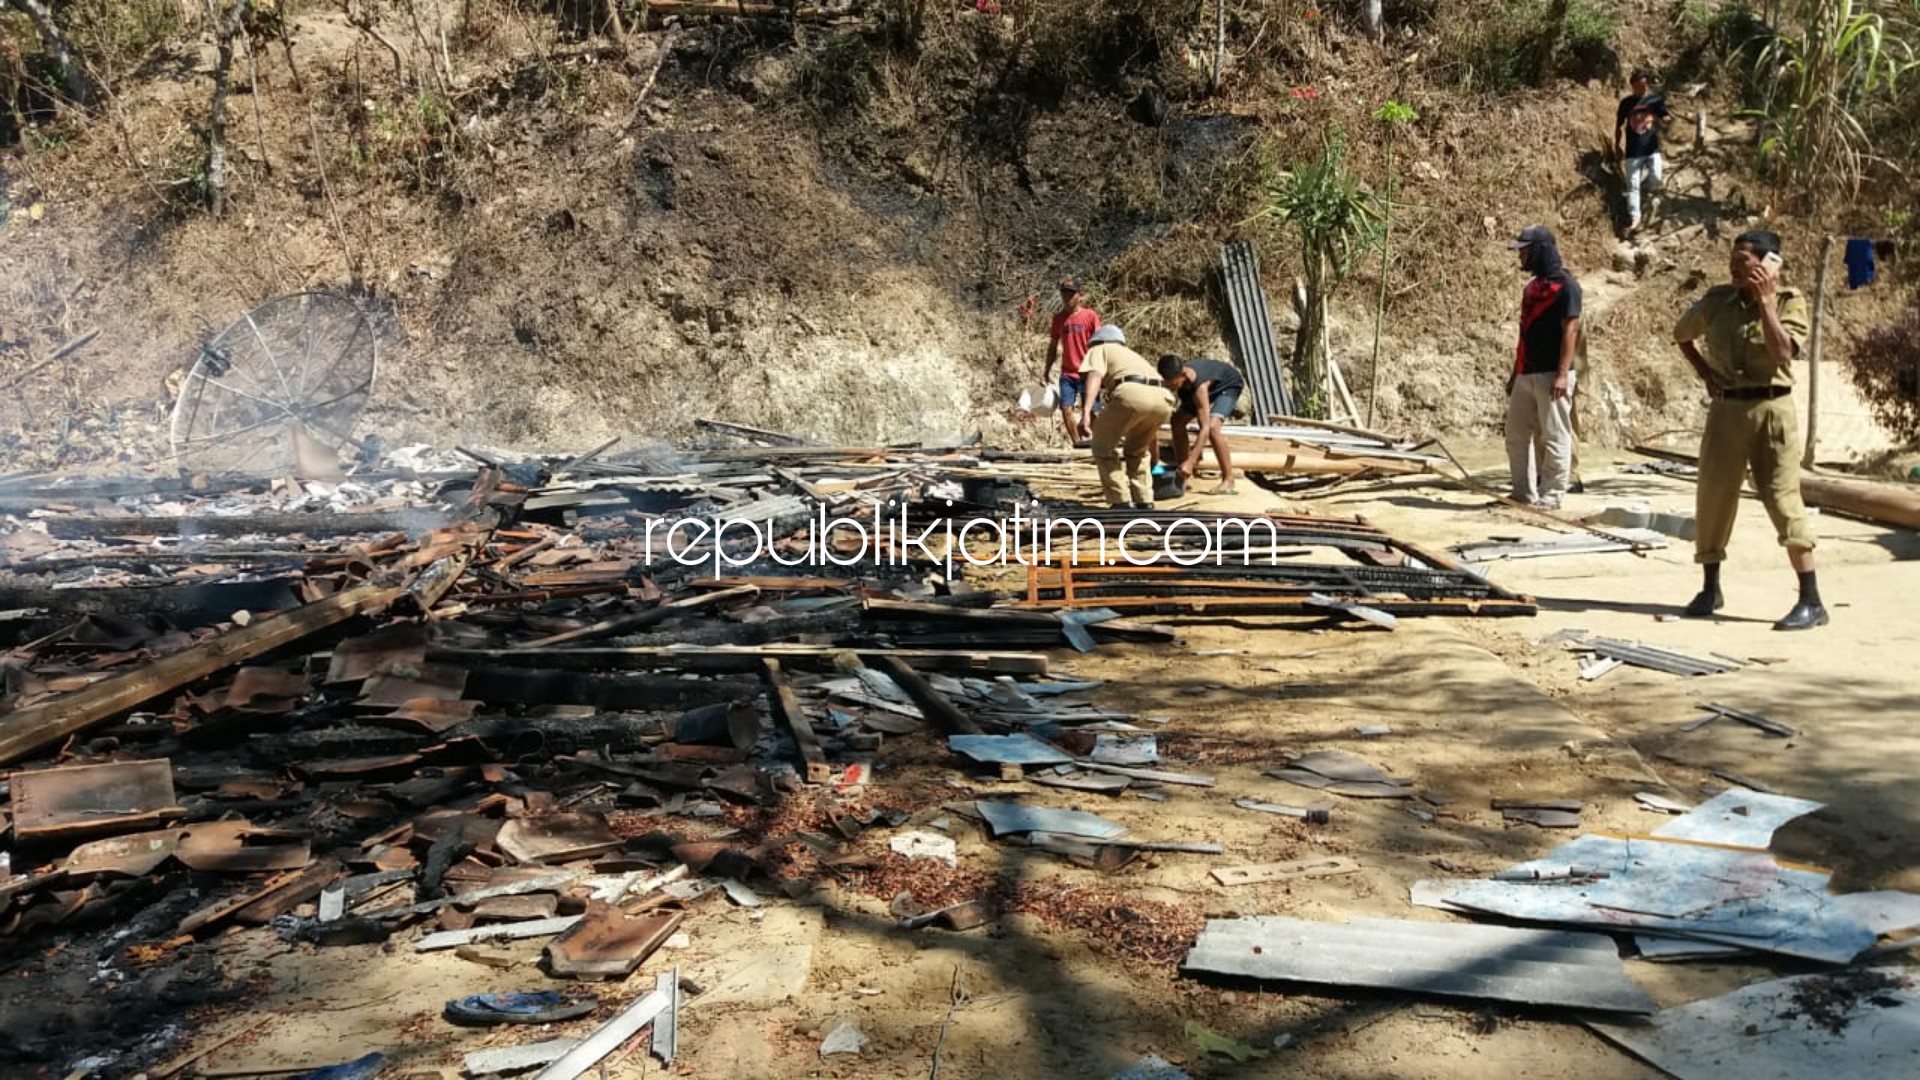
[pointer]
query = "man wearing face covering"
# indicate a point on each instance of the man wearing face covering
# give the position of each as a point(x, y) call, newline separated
point(1753, 329)
point(1540, 389)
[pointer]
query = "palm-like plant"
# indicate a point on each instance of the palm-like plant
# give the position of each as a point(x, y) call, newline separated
point(1824, 83)
point(1338, 220)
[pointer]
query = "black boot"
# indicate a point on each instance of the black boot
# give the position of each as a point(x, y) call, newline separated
point(1709, 600)
point(1809, 612)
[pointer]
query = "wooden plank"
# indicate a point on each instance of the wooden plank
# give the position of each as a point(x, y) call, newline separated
point(933, 703)
point(1285, 605)
point(642, 619)
point(448, 939)
point(1886, 504)
point(433, 583)
point(280, 899)
point(309, 525)
point(787, 710)
point(609, 1036)
point(734, 658)
point(776, 584)
point(806, 489)
point(33, 729)
point(1007, 617)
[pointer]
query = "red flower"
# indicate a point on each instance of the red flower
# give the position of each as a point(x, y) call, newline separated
point(1311, 14)
point(1304, 93)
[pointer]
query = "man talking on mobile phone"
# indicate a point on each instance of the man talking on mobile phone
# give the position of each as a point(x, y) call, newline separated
point(1753, 329)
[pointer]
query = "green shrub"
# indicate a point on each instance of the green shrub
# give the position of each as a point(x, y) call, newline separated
point(1885, 365)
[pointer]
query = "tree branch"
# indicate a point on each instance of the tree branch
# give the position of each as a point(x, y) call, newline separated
point(79, 86)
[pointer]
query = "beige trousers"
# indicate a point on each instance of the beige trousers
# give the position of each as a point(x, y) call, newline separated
point(1763, 436)
point(1125, 432)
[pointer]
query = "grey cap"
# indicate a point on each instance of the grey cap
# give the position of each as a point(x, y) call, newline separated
point(1108, 333)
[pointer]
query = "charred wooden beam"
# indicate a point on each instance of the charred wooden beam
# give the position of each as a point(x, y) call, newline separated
point(787, 710)
point(606, 628)
point(41, 726)
point(538, 686)
point(410, 522)
point(726, 659)
point(934, 704)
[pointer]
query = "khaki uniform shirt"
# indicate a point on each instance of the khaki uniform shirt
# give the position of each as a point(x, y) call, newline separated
point(1736, 343)
point(1115, 362)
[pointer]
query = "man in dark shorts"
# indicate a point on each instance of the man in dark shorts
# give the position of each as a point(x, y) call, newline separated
point(1073, 327)
point(1636, 142)
point(1208, 390)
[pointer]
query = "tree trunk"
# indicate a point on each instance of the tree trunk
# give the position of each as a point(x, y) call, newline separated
point(1547, 49)
point(225, 31)
point(79, 86)
point(1380, 303)
point(1309, 356)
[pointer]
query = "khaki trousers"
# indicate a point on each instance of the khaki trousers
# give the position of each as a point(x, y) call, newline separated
point(1125, 432)
point(1539, 436)
point(1760, 435)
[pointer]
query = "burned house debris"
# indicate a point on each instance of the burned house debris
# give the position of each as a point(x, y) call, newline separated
point(548, 716)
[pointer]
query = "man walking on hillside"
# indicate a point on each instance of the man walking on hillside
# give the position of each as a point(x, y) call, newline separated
point(1208, 390)
point(1135, 402)
point(1540, 388)
point(1753, 329)
point(1636, 142)
point(1073, 326)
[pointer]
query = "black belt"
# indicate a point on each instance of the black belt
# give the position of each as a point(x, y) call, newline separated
point(1756, 393)
point(1140, 380)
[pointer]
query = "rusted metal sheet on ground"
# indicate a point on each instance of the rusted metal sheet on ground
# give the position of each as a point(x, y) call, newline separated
point(607, 942)
point(556, 838)
point(88, 800)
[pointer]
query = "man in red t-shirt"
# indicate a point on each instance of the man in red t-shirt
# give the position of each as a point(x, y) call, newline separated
point(1073, 324)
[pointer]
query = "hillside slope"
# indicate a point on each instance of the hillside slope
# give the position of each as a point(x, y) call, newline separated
point(845, 228)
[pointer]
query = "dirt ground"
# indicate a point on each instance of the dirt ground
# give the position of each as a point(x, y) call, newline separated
point(1477, 709)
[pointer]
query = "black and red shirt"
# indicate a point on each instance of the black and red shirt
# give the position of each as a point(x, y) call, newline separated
point(1546, 305)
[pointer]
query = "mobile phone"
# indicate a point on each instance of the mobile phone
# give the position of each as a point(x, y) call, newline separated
point(1771, 260)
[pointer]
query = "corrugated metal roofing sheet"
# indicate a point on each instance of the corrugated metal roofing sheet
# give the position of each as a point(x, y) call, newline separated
point(1536, 967)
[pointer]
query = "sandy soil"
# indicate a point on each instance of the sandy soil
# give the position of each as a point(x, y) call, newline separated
point(1477, 709)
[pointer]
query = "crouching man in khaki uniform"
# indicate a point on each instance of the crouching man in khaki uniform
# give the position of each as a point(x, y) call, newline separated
point(1753, 330)
point(1134, 404)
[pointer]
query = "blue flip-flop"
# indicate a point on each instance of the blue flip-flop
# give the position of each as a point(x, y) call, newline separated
point(519, 1007)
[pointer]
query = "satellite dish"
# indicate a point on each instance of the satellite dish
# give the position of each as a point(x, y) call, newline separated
point(278, 390)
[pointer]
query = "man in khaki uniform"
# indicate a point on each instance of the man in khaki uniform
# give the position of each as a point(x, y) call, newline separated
point(1753, 329)
point(1134, 403)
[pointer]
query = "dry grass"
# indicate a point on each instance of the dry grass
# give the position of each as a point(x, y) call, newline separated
point(568, 263)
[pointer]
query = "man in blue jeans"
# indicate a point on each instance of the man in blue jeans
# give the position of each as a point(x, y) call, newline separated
point(1636, 142)
point(1207, 390)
